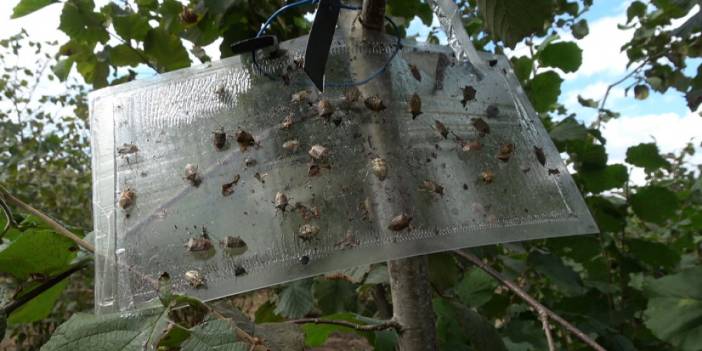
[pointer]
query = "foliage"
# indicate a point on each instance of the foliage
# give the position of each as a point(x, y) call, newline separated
point(634, 286)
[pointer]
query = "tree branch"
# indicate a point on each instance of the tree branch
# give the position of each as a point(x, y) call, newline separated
point(536, 305)
point(373, 14)
point(389, 324)
point(547, 330)
point(52, 223)
point(48, 284)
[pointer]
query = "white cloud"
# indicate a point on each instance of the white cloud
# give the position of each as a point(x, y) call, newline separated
point(670, 131)
point(602, 47)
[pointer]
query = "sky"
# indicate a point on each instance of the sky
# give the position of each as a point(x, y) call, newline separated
point(664, 118)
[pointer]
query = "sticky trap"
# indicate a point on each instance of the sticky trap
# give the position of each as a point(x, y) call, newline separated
point(252, 181)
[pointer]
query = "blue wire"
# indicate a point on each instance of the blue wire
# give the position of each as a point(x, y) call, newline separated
point(343, 6)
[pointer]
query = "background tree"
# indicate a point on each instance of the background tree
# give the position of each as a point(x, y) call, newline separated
point(637, 285)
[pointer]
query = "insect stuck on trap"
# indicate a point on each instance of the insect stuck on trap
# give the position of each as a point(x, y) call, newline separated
point(481, 126)
point(379, 168)
point(127, 198)
point(195, 279)
point(200, 244)
point(219, 139)
point(441, 129)
point(192, 175)
point(318, 152)
point(281, 201)
point(432, 187)
point(505, 152)
point(232, 242)
point(540, 156)
point(325, 108)
point(308, 231)
point(291, 145)
point(400, 222)
point(415, 72)
point(127, 149)
point(228, 188)
point(468, 95)
point(374, 103)
point(487, 176)
point(244, 139)
point(415, 105)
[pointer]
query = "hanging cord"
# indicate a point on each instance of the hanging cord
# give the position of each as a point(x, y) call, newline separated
point(374, 75)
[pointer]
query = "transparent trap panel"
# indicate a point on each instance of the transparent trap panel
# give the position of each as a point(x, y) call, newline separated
point(231, 180)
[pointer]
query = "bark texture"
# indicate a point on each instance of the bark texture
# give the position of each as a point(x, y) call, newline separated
point(373, 14)
point(411, 300)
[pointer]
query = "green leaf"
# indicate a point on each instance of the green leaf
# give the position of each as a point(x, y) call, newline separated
point(409, 9)
point(654, 204)
point(109, 332)
point(522, 67)
point(36, 251)
point(544, 90)
point(443, 270)
point(62, 68)
point(674, 308)
point(588, 102)
point(568, 129)
point(131, 26)
point(123, 55)
point(599, 180)
point(165, 50)
point(656, 255)
point(646, 155)
point(39, 307)
point(295, 300)
point(81, 23)
point(636, 9)
point(476, 288)
point(266, 314)
point(591, 157)
point(580, 29)
point(335, 295)
point(564, 55)
point(564, 277)
point(26, 7)
point(511, 21)
point(213, 335)
point(610, 216)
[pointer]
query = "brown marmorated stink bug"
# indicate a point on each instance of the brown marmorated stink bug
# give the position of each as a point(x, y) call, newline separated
point(540, 156)
point(200, 244)
point(325, 108)
point(281, 201)
point(127, 198)
point(468, 94)
point(232, 242)
point(379, 168)
point(488, 176)
point(318, 152)
point(400, 222)
point(195, 279)
point(433, 187)
point(505, 152)
point(245, 139)
point(228, 188)
point(415, 72)
point(415, 105)
point(219, 139)
point(374, 103)
point(308, 231)
point(287, 122)
point(441, 128)
point(481, 126)
point(192, 175)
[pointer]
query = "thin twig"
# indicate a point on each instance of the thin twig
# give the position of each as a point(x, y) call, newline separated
point(61, 230)
point(46, 285)
point(530, 300)
point(547, 330)
point(389, 324)
point(8, 214)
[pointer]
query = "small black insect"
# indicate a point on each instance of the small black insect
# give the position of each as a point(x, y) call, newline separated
point(239, 271)
point(468, 94)
point(492, 111)
point(305, 259)
point(219, 139)
point(539, 152)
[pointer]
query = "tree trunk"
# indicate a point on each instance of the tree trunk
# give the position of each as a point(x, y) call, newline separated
point(411, 300)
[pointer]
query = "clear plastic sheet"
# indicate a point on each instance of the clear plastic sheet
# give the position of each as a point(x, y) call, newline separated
point(454, 187)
